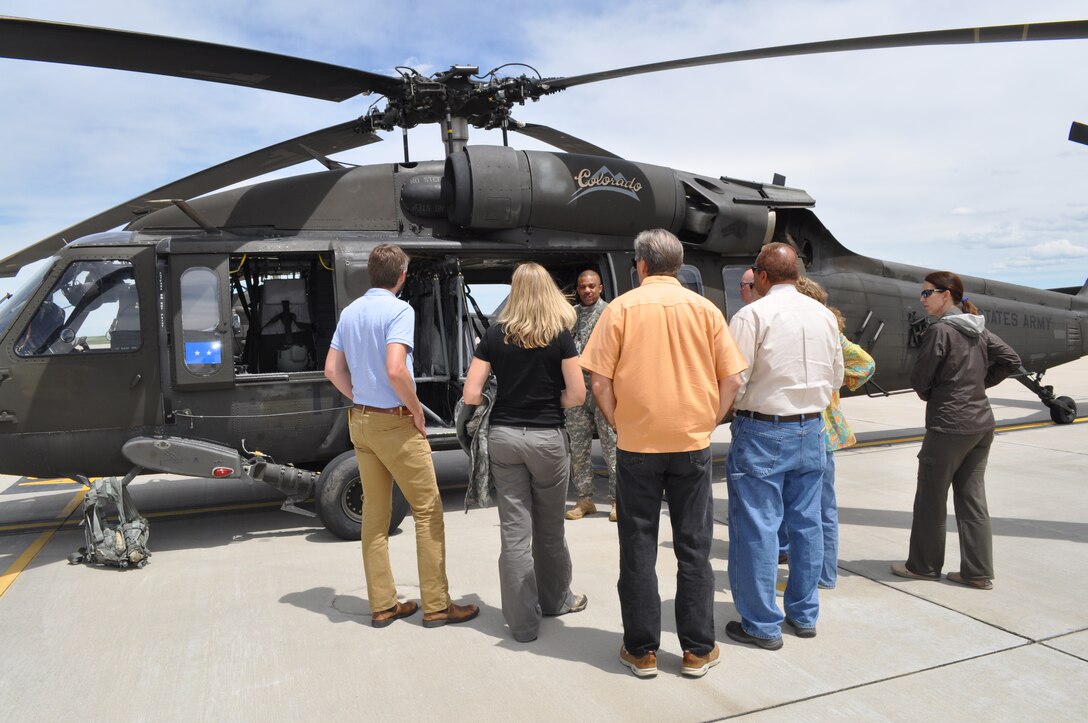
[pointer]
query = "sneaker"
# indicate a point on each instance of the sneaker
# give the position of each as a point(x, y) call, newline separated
point(801, 632)
point(612, 514)
point(900, 569)
point(581, 600)
point(979, 583)
point(643, 667)
point(583, 507)
point(736, 631)
point(386, 617)
point(695, 666)
point(451, 616)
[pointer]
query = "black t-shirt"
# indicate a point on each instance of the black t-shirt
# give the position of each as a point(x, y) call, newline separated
point(529, 380)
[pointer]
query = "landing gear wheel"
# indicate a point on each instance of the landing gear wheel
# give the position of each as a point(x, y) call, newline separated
point(338, 498)
point(1063, 410)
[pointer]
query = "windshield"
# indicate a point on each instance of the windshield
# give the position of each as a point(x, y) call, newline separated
point(10, 309)
point(94, 306)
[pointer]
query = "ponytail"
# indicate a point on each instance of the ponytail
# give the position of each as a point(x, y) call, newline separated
point(954, 285)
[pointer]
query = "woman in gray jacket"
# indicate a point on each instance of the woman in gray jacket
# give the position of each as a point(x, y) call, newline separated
point(957, 361)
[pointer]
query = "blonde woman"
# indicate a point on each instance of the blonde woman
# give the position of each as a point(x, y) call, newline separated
point(535, 362)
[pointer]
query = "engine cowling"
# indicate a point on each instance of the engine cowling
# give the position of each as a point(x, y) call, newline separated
point(491, 188)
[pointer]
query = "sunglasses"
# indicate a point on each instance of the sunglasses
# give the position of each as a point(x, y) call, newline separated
point(926, 293)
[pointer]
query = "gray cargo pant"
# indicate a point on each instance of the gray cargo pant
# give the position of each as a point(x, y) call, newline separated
point(959, 461)
point(531, 469)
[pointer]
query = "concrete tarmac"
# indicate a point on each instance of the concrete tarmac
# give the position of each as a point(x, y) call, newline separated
point(249, 613)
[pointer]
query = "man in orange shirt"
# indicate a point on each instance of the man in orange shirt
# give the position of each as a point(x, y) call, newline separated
point(664, 371)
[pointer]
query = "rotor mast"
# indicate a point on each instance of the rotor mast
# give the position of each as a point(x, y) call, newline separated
point(454, 99)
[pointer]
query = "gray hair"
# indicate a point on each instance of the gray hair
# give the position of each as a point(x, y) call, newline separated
point(661, 250)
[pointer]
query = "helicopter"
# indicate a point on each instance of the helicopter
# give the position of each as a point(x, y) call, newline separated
point(198, 333)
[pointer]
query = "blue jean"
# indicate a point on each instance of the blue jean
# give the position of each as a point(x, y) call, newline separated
point(829, 521)
point(774, 475)
point(684, 477)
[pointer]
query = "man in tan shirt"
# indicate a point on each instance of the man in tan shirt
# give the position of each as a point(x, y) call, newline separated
point(664, 371)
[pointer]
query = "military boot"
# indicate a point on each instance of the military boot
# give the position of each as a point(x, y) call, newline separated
point(583, 507)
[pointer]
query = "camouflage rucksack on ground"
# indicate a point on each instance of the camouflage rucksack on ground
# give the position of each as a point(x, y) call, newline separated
point(121, 545)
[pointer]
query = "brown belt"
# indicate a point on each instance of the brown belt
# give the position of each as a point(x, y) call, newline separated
point(778, 417)
point(398, 411)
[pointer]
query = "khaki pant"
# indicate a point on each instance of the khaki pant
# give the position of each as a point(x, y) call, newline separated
point(388, 448)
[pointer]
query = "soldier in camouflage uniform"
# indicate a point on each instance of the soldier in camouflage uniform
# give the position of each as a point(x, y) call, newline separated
point(581, 420)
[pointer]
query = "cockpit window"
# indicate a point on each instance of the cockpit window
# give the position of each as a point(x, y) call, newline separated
point(10, 308)
point(93, 307)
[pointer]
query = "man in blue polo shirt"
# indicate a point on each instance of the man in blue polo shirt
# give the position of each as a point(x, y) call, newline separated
point(371, 362)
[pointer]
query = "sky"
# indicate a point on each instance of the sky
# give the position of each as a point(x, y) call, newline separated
point(949, 157)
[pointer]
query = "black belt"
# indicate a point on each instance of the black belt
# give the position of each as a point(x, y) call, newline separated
point(399, 411)
point(778, 417)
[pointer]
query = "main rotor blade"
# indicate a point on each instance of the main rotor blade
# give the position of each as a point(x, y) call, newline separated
point(282, 155)
point(50, 42)
point(559, 139)
point(1078, 133)
point(1066, 30)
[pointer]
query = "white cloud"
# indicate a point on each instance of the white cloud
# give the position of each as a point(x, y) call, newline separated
point(1046, 255)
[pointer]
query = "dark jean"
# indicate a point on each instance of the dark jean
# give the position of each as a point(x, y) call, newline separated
point(684, 478)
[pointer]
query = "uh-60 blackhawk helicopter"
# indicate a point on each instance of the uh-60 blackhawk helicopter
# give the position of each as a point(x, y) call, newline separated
point(200, 331)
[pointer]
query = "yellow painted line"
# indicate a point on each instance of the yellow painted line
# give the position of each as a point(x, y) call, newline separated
point(23, 561)
point(1006, 428)
point(887, 442)
point(54, 482)
point(73, 504)
point(37, 525)
point(164, 513)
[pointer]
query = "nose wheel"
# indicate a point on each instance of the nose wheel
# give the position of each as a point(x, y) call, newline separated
point(1063, 410)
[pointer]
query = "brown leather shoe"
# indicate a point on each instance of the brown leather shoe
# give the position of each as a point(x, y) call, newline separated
point(450, 616)
point(400, 610)
point(584, 506)
point(695, 666)
point(979, 583)
point(901, 569)
point(644, 666)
